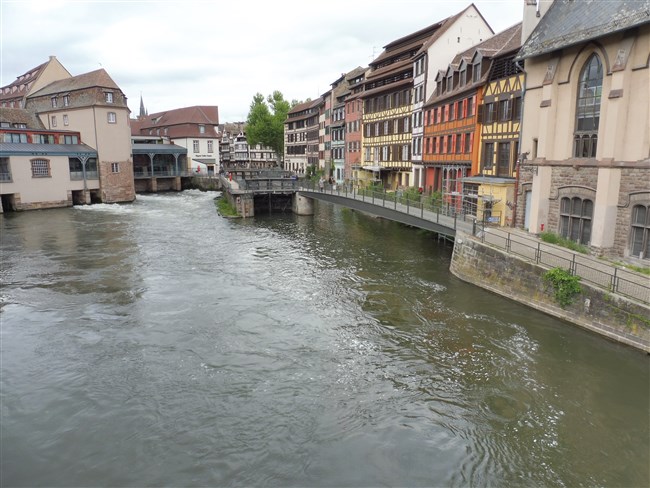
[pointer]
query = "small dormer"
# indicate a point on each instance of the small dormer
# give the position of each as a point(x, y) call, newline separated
point(463, 73)
point(477, 67)
point(449, 77)
point(440, 83)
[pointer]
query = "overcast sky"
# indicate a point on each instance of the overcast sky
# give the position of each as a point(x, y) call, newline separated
point(183, 53)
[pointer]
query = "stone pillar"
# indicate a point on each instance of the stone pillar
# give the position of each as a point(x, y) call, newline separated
point(540, 199)
point(245, 205)
point(605, 208)
point(302, 205)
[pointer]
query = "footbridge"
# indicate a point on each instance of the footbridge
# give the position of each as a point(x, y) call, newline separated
point(273, 191)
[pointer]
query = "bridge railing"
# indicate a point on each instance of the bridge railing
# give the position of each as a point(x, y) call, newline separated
point(422, 206)
point(597, 272)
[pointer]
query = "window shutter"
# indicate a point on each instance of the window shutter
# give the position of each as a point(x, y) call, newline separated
point(444, 144)
point(480, 113)
point(465, 108)
point(446, 113)
point(453, 143)
point(471, 141)
point(462, 142)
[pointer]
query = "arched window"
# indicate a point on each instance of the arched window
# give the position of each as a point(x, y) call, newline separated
point(590, 90)
point(575, 219)
point(640, 235)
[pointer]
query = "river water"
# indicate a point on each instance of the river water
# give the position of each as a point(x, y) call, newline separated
point(158, 344)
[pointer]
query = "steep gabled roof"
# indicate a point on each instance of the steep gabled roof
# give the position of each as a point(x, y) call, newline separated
point(20, 87)
point(20, 116)
point(506, 41)
point(97, 78)
point(570, 22)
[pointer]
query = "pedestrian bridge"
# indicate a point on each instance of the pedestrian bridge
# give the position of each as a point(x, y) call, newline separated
point(270, 191)
point(392, 206)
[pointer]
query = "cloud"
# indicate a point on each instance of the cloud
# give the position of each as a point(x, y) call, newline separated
point(183, 53)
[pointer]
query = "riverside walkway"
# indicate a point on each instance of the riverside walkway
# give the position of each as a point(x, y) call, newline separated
point(598, 272)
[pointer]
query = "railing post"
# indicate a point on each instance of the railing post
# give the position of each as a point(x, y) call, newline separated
point(508, 245)
point(474, 227)
point(407, 204)
point(396, 200)
point(538, 254)
point(614, 280)
point(373, 197)
point(455, 217)
point(573, 265)
point(421, 210)
point(383, 203)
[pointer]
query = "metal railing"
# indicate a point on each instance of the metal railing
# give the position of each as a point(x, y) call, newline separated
point(422, 206)
point(592, 270)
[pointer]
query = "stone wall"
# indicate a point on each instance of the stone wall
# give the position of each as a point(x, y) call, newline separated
point(611, 316)
point(117, 187)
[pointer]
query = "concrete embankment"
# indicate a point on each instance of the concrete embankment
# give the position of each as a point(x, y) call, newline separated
point(613, 316)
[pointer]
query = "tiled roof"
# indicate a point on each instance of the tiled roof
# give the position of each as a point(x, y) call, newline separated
point(569, 22)
point(97, 78)
point(506, 41)
point(20, 116)
point(15, 149)
point(199, 114)
point(300, 107)
point(20, 87)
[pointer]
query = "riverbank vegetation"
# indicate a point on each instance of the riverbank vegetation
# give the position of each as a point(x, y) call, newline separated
point(552, 238)
point(224, 208)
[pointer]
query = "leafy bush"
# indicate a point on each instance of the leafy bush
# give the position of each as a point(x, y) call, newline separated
point(566, 285)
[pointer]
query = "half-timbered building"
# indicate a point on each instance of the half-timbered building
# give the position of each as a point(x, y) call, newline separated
point(492, 185)
point(451, 121)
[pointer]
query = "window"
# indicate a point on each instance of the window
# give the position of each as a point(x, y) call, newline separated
point(71, 140)
point(115, 167)
point(109, 97)
point(459, 143)
point(503, 159)
point(54, 102)
point(450, 148)
point(40, 168)
point(201, 129)
point(463, 77)
point(210, 146)
point(17, 138)
point(468, 142)
point(488, 155)
point(5, 170)
point(112, 118)
point(588, 108)
point(53, 119)
point(516, 109)
point(640, 235)
point(490, 113)
point(195, 146)
point(476, 69)
point(451, 111)
point(65, 120)
point(66, 100)
point(505, 109)
point(575, 219)
point(470, 106)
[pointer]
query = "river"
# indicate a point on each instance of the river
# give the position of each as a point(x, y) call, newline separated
point(158, 344)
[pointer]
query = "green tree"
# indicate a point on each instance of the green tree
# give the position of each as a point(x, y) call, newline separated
point(265, 122)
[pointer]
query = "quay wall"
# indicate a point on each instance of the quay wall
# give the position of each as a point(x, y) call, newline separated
point(612, 316)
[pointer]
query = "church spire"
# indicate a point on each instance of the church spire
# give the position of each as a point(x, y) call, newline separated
point(143, 112)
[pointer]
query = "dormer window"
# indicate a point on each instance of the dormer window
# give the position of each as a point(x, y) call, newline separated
point(109, 97)
point(450, 81)
point(54, 102)
point(477, 71)
point(463, 77)
point(66, 100)
point(202, 129)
